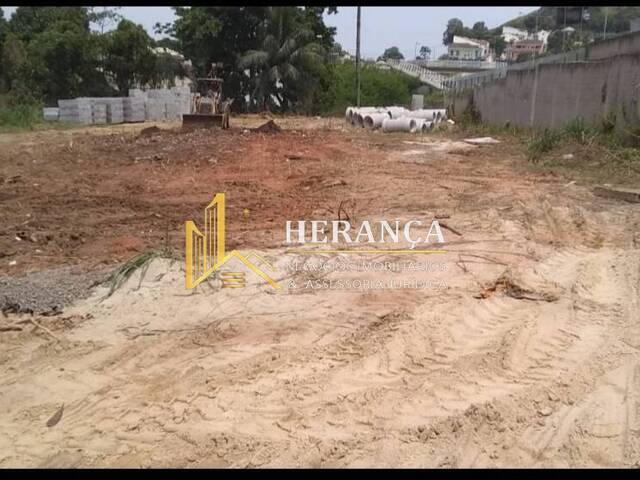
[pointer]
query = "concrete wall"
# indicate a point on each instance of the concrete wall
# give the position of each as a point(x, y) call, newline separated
point(617, 45)
point(554, 94)
point(621, 44)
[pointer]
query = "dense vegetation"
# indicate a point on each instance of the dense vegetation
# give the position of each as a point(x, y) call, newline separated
point(379, 87)
point(590, 23)
point(275, 58)
point(596, 23)
point(50, 53)
point(550, 18)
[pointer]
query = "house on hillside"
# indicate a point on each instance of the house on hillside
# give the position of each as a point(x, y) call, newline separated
point(463, 48)
point(520, 42)
point(515, 50)
point(511, 34)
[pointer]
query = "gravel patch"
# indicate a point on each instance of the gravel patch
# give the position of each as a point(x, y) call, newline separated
point(47, 291)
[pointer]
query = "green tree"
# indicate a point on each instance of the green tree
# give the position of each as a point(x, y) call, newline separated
point(58, 59)
point(3, 27)
point(498, 44)
point(480, 30)
point(167, 42)
point(454, 27)
point(425, 53)
point(336, 52)
point(392, 53)
point(379, 87)
point(27, 22)
point(284, 64)
point(220, 34)
point(167, 68)
point(129, 58)
point(104, 17)
point(3, 34)
point(560, 41)
point(14, 63)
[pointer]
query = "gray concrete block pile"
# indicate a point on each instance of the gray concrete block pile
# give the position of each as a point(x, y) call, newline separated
point(154, 105)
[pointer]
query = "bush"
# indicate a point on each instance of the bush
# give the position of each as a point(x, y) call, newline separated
point(20, 117)
point(577, 130)
point(541, 143)
point(377, 88)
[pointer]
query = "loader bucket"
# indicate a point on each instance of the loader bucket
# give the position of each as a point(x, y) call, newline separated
point(204, 121)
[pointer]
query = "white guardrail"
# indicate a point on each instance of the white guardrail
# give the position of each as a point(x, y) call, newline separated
point(425, 75)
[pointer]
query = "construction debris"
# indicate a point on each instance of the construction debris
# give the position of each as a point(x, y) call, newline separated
point(481, 141)
point(55, 419)
point(626, 194)
point(268, 127)
point(145, 132)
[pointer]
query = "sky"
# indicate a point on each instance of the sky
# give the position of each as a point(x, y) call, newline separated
point(407, 28)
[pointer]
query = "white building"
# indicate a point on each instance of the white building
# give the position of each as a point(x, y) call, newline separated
point(511, 34)
point(463, 48)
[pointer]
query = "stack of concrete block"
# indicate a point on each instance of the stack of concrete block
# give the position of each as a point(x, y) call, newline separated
point(137, 93)
point(99, 113)
point(51, 114)
point(133, 109)
point(172, 109)
point(77, 110)
point(160, 105)
point(114, 106)
point(155, 110)
point(183, 99)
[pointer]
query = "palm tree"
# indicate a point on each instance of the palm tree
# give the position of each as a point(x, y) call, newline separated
point(282, 67)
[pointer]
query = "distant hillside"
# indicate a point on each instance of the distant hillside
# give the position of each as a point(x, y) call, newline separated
point(551, 18)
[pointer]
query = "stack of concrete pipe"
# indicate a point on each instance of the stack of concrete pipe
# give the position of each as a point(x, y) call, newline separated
point(424, 125)
point(397, 112)
point(429, 114)
point(402, 124)
point(355, 116)
point(395, 119)
point(372, 121)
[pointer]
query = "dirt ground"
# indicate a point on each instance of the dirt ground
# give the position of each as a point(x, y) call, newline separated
point(526, 354)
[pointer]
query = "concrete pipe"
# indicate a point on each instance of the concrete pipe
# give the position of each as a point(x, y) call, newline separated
point(402, 124)
point(374, 120)
point(347, 114)
point(426, 113)
point(397, 112)
point(441, 114)
point(425, 126)
point(357, 114)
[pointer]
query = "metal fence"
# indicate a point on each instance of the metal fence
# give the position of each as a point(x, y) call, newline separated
point(461, 64)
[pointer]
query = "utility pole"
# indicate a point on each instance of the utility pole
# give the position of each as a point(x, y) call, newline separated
point(536, 33)
point(606, 16)
point(358, 60)
point(564, 32)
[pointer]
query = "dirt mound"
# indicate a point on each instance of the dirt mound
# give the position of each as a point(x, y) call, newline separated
point(268, 127)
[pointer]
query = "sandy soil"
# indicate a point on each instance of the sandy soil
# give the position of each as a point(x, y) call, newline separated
point(526, 354)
